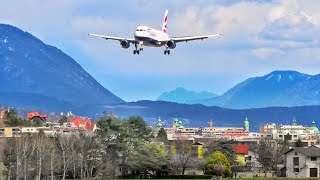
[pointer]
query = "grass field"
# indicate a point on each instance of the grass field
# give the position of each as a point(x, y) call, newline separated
point(256, 178)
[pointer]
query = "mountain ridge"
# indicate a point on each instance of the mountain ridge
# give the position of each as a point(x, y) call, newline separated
point(31, 66)
point(264, 91)
point(185, 96)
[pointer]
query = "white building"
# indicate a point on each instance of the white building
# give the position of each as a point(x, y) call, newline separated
point(303, 162)
point(291, 132)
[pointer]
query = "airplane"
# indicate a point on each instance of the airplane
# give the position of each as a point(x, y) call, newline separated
point(147, 36)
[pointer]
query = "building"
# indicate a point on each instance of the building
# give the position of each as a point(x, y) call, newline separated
point(32, 115)
point(291, 132)
point(303, 162)
point(242, 151)
point(82, 123)
point(178, 130)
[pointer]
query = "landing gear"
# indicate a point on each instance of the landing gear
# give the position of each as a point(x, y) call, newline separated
point(166, 52)
point(136, 51)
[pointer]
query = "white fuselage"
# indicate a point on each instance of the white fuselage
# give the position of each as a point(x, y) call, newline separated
point(150, 37)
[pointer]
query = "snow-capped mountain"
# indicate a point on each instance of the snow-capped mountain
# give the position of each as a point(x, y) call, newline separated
point(306, 92)
point(182, 95)
point(29, 68)
point(274, 89)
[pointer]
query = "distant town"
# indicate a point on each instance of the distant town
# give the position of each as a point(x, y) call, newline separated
point(290, 150)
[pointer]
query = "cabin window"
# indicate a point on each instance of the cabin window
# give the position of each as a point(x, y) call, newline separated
point(313, 158)
point(296, 161)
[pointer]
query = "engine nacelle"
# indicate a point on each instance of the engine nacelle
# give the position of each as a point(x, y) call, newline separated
point(125, 44)
point(171, 44)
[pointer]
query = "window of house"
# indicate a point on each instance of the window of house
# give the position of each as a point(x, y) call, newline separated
point(295, 153)
point(296, 161)
point(296, 170)
point(248, 158)
point(313, 158)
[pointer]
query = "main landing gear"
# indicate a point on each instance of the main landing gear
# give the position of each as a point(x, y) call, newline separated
point(166, 51)
point(137, 51)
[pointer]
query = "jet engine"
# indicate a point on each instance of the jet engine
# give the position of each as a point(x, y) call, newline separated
point(171, 44)
point(125, 44)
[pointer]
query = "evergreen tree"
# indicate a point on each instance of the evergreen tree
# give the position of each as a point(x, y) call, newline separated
point(63, 119)
point(162, 135)
point(122, 137)
point(149, 158)
point(216, 162)
point(37, 121)
point(11, 119)
point(298, 143)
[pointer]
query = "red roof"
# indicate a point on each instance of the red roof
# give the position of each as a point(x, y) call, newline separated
point(77, 121)
point(234, 134)
point(31, 115)
point(241, 149)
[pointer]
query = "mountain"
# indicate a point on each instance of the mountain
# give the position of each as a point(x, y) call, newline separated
point(198, 115)
point(273, 89)
point(306, 92)
point(182, 95)
point(36, 75)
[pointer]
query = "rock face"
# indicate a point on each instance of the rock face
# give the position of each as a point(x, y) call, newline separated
point(29, 68)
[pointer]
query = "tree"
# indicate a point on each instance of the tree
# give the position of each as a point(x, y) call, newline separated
point(63, 119)
point(63, 145)
point(42, 150)
point(37, 122)
point(216, 163)
point(9, 157)
point(298, 143)
point(121, 137)
point(224, 146)
point(147, 159)
point(162, 133)
point(11, 119)
point(270, 154)
point(183, 154)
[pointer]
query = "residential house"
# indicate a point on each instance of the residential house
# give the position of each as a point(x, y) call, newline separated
point(303, 162)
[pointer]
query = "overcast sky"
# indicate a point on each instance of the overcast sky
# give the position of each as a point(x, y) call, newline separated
point(260, 36)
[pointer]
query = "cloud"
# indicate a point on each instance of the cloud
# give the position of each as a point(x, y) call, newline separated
point(264, 53)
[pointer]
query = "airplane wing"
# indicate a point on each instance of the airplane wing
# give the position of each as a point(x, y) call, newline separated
point(131, 40)
point(192, 38)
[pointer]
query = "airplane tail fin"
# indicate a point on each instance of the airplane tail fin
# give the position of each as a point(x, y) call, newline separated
point(165, 21)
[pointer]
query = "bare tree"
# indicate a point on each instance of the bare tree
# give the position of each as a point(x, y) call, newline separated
point(42, 145)
point(270, 154)
point(54, 156)
point(184, 152)
point(63, 146)
point(297, 169)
